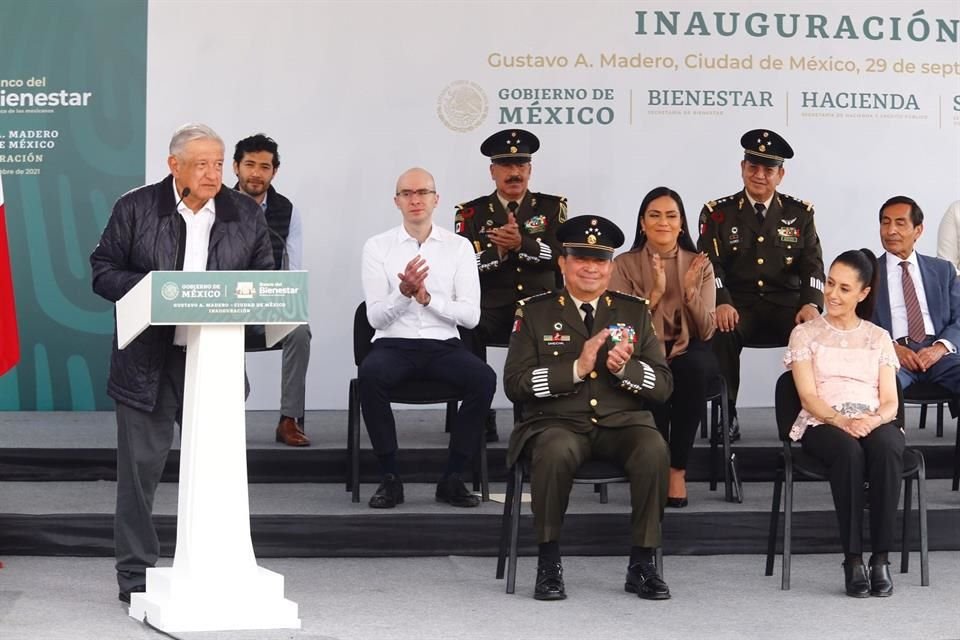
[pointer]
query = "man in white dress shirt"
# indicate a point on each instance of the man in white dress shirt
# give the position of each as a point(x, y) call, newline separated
point(420, 282)
point(918, 301)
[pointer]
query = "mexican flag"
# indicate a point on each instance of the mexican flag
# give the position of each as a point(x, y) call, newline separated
point(9, 341)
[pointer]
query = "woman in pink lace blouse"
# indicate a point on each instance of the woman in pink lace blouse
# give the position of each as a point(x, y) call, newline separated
point(845, 368)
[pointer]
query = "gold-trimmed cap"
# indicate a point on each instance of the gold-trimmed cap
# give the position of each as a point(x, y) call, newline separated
point(589, 236)
point(765, 147)
point(510, 146)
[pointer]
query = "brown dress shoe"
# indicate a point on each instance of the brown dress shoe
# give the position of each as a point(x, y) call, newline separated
point(289, 433)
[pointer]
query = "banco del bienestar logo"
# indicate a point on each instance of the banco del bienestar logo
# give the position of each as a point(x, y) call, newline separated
point(462, 106)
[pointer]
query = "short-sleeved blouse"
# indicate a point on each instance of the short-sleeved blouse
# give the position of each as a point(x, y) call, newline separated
point(846, 366)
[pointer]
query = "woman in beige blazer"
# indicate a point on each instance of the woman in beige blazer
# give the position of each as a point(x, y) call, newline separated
point(664, 266)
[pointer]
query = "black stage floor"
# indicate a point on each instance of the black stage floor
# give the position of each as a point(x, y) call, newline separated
point(57, 491)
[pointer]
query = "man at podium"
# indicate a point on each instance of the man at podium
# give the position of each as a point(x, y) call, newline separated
point(189, 221)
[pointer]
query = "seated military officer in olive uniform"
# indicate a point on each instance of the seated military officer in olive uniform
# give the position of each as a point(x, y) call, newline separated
point(584, 364)
point(766, 258)
point(513, 232)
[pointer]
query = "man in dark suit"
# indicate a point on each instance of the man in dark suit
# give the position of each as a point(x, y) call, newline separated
point(584, 364)
point(513, 232)
point(766, 258)
point(918, 301)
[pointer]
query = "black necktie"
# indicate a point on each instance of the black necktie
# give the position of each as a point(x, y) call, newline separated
point(513, 205)
point(760, 207)
point(588, 316)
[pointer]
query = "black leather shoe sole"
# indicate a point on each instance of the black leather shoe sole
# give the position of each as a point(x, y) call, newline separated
point(460, 501)
point(550, 595)
point(677, 503)
point(629, 587)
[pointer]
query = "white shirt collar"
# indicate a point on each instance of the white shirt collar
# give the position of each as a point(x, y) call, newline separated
point(208, 206)
point(766, 204)
point(403, 235)
point(592, 303)
point(506, 202)
point(893, 262)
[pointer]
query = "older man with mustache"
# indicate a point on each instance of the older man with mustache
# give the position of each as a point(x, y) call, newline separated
point(513, 233)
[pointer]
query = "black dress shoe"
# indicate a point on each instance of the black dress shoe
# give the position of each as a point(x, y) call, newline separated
point(124, 596)
point(491, 427)
point(734, 428)
point(452, 491)
point(677, 503)
point(855, 578)
point(644, 580)
point(549, 582)
point(389, 494)
point(881, 585)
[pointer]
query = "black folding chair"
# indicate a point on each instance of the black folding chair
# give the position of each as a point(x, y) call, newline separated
point(411, 392)
point(797, 462)
point(927, 393)
point(719, 421)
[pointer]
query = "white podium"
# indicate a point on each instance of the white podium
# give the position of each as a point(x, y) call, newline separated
point(215, 582)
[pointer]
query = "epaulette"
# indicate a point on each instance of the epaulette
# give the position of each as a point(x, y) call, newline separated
point(710, 206)
point(546, 295)
point(627, 296)
point(807, 205)
point(549, 196)
point(476, 202)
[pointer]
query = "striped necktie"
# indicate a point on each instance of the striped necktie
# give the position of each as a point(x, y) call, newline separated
point(915, 329)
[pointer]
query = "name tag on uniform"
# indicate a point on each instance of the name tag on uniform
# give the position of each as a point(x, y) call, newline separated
point(788, 234)
point(556, 339)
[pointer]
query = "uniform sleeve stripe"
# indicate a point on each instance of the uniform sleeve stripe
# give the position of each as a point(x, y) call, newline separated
point(719, 283)
point(545, 252)
point(816, 283)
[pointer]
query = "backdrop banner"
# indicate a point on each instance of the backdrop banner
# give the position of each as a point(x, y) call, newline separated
point(73, 114)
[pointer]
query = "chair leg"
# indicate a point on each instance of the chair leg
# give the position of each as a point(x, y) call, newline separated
point(506, 525)
point(956, 460)
point(774, 523)
point(923, 416)
point(354, 429)
point(725, 432)
point(905, 532)
point(787, 526)
point(514, 527)
point(348, 467)
point(714, 444)
point(939, 419)
point(604, 495)
point(658, 559)
point(703, 422)
point(922, 508)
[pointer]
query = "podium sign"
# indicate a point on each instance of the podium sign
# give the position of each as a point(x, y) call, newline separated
point(215, 582)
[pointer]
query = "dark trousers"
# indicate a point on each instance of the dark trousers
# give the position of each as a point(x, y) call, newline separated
point(877, 458)
point(143, 442)
point(557, 453)
point(761, 322)
point(679, 418)
point(393, 361)
point(945, 372)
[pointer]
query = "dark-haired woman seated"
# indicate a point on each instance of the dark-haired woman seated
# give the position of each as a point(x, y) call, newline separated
point(845, 370)
point(664, 266)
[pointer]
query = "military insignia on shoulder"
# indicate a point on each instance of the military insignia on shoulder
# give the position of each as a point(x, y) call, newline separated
point(709, 207)
point(627, 296)
point(536, 298)
point(806, 204)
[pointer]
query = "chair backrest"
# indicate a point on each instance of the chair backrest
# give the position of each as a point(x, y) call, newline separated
point(788, 405)
point(362, 334)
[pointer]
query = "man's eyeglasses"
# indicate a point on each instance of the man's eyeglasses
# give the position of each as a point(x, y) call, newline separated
point(409, 193)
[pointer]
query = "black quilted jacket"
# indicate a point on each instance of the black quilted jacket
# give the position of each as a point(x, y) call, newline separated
point(144, 235)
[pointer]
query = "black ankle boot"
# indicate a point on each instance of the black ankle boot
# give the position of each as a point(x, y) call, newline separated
point(855, 578)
